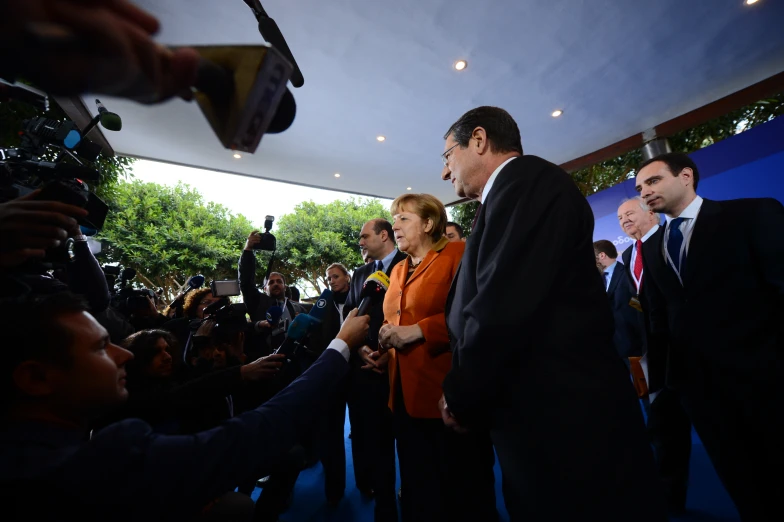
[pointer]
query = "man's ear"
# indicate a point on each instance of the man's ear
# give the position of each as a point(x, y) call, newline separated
point(479, 136)
point(688, 176)
point(34, 378)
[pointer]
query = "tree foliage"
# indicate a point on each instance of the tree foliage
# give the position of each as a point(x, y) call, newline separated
point(170, 233)
point(316, 235)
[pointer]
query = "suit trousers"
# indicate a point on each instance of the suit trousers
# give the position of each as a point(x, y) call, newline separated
point(670, 430)
point(373, 439)
point(445, 476)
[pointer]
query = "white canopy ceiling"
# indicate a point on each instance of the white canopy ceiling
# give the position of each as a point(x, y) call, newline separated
point(371, 68)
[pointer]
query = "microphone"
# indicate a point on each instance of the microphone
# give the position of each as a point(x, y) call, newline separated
point(193, 283)
point(303, 324)
point(109, 120)
point(242, 92)
point(274, 314)
point(373, 291)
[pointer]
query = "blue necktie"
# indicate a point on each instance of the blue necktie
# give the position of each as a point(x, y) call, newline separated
point(606, 281)
point(379, 266)
point(675, 242)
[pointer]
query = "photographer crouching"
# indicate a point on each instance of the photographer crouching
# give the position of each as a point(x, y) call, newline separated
point(61, 371)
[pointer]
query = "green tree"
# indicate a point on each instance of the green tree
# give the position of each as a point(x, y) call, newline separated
point(169, 233)
point(314, 236)
point(463, 214)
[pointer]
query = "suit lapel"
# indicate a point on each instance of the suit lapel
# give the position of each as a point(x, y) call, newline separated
point(616, 276)
point(426, 262)
point(705, 228)
point(655, 265)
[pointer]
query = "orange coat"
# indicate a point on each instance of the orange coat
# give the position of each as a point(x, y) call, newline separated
point(422, 300)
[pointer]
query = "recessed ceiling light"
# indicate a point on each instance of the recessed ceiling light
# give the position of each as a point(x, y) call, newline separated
point(750, 2)
point(556, 113)
point(381, 138)
point(408, 188)
point(237, 155)
point(460, 65)
point(337, 175)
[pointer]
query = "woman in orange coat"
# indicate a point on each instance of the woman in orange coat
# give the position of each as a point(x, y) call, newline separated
point(433, 473)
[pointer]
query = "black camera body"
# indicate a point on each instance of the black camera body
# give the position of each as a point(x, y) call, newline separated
point(268, 242)
point(133, 300)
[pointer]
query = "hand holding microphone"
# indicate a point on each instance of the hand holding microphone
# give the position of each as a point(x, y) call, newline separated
point(354, 329)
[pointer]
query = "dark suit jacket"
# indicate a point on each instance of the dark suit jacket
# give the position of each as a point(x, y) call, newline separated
point(729, 313)
point(640, 327)
point(533, 357)
point(376, 312)
point(627, 337)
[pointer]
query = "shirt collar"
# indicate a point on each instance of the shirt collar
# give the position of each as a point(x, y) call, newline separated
point(609, 269)
point(689, 212)
point(490, 181)
point(387, 260)
point(651, 232)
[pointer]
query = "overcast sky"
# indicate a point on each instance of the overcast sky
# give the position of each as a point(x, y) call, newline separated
point(254, 198)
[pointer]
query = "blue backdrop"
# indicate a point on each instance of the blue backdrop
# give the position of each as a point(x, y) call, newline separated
point(749, 165)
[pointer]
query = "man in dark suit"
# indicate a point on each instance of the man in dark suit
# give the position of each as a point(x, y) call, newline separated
point(668, 425)
point(714, 277)
point(372, 433)
point(627, 340)
point(531, 332)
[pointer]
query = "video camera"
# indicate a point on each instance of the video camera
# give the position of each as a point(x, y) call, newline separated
point(25, 168)
point(268, 242)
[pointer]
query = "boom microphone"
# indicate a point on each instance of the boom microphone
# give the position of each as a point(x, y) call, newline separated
point(373, 291)
point(110, 120)
point(242, 92)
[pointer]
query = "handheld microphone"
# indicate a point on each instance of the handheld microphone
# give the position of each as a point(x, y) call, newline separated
point(373, 291)
point(193, 283)
point(242, 92)
point(303, 324)
point(274, 314)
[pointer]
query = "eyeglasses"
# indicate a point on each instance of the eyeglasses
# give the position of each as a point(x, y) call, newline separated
point(445, 155)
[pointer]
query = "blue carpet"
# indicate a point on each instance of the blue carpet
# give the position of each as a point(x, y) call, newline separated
point(707, 501)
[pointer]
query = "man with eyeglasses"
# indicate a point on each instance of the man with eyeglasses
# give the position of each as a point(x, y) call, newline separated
point(531, 332)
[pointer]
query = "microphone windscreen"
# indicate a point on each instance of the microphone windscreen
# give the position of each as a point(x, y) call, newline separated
point(274, 314)
point(379, 277)
point(196, 281)
point(320, 308)
point(284, 117)
point(111, 121)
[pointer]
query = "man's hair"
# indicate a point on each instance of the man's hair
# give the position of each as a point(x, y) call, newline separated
point(32, 330)
point(266, 282)
point(143, 347)
point(426, 207)
point(605, 247)
point(643, 205)
point(457, 227)
point(380, 224)
point(192, 301)
point(676, 162)
point(503, 135)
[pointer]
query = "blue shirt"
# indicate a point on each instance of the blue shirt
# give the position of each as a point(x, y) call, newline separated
point(388, 260)
point(609, 271)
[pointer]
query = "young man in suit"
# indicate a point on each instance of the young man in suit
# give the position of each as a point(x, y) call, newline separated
point(627, 341)
point(372, 433)
point(714, 279)
point(668, 425)
point(531, 333)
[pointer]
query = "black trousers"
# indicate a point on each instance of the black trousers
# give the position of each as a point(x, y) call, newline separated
point(445, 476)
point(670, 431)
point(373, 439)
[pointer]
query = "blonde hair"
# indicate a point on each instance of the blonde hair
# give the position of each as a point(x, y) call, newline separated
point(426, 207)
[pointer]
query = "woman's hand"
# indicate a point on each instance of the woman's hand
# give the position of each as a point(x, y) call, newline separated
point(374, 361)
point(399, 337)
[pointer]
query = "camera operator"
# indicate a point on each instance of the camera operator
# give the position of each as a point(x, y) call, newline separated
point(63, 370)
point(31, 229)
point(69, 46)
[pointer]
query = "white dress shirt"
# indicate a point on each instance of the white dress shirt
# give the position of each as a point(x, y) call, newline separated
point(687, 227)
point(491, 180)
point(633, 259)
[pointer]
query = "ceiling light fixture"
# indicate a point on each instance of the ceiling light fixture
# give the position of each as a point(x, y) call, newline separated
point(337, 175)
point(381, 138)
point(408, 188)
point(237, 155)
point(751, 2)
point(461, 65)
point(556, 113)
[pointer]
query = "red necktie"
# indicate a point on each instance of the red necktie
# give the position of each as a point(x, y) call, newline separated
point(638, 264)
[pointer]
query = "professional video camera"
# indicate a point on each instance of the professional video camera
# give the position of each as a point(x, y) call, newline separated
point(268, 242)
point(27, 168)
